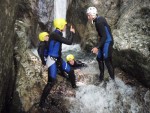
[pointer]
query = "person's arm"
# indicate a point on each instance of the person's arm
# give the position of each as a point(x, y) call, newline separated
point(79, 64)
point(41, 54)
point(62, 39)
point(102, 34)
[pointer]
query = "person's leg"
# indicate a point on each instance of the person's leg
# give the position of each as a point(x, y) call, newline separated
point(108, 59)
point(101, 65)
point(110, 67)
point(52, 72)
point(60, 69)
point(45, 93)
point(70, 73)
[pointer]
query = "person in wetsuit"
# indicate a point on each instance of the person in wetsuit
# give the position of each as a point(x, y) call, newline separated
point(104, 47)
point(75, 64)
point(54, 60)
point(43, 47)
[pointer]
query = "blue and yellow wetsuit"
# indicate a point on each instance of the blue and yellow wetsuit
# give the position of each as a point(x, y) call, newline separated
point(105, 46)
point(55, 48)
point(55, 62)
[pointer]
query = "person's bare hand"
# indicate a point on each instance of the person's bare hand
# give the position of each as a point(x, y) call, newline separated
point(95, 50)
point(72, 29)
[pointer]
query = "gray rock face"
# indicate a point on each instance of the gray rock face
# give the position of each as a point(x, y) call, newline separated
point(37, 14)
point(7, 76)
point(35, 17)
point(132, 41)
point(45, 13)
point(31, 22)
point(28, 82)
point(130, 23)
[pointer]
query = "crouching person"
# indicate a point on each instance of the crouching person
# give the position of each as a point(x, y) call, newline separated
point(74, 63)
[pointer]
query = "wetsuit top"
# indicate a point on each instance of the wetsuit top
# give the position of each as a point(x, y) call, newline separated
point(103, 30)
point(55, 43)
point(43, 51)
point(77, 64)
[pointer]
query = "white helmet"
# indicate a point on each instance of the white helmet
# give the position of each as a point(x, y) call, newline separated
point(92, 11)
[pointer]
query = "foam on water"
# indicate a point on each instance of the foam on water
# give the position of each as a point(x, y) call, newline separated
point(97, 99)
point(74, 48)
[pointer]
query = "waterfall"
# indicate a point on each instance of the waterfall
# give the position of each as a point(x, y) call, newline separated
point(60, 7)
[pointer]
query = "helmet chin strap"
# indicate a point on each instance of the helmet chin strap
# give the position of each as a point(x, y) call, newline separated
point(93, 19)
point(92, 22)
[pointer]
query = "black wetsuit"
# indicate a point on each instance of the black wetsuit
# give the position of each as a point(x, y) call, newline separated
point(43, 51)
point(105, 46)
point(77, 64)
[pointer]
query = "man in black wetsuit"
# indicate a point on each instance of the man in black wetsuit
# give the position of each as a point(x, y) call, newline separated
point(54, 60)
point(104, 47)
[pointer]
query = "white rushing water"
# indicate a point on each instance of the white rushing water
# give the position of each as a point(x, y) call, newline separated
point(105, 97)
point(97, 99)
point(75, 47)
point(60, 7)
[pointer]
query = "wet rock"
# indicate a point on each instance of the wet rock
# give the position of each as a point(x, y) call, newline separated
point(45, 14)
point(141, 94)
point(53, 106)
point(30, 80)
point(7, 63)
point(129, 21)
point(147, 99)
point(29, 83)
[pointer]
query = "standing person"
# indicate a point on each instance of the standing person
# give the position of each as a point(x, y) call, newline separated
point(54, 60)
point(104, 47)
point(43, 47)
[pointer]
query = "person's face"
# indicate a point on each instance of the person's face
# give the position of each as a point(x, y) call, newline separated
point(46, 38)
point(90, 17)
point(71, 62)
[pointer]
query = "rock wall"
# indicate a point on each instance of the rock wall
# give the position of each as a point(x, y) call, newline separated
point(29, 82)
point(132, 40)
point(15, 66)
point(7, 76)
point(130, 23)
point(38, 15)
point(33, 16)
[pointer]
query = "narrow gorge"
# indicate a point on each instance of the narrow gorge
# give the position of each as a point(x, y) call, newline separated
point(22, 77)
